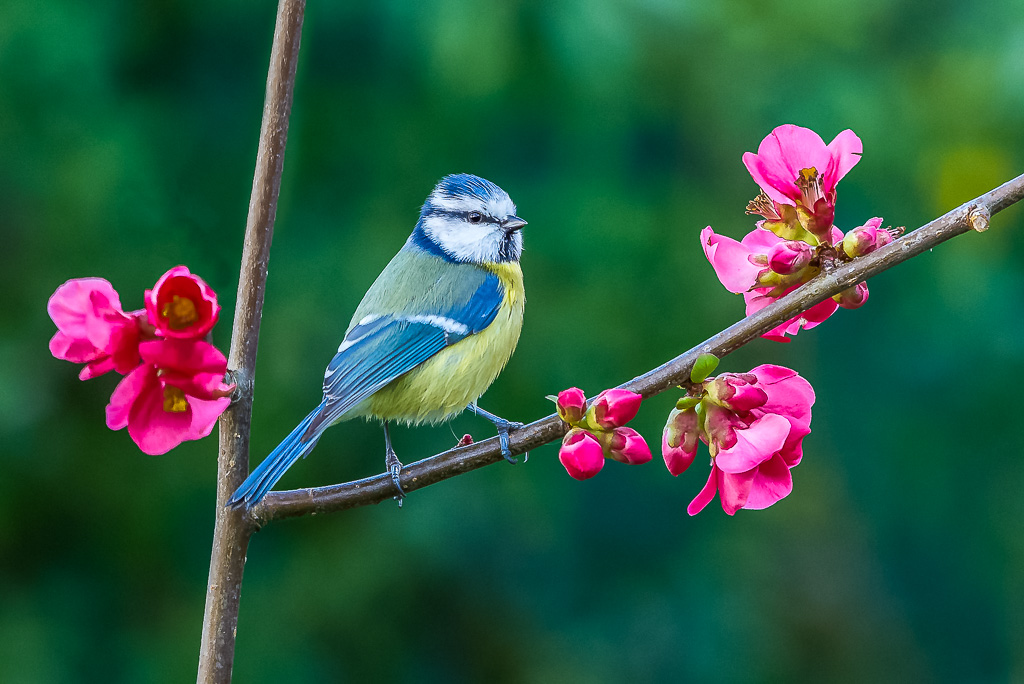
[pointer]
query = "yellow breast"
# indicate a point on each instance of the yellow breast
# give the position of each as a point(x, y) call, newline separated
point(446, 383)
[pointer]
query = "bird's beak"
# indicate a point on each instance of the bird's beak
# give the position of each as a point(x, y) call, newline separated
point(512, 223)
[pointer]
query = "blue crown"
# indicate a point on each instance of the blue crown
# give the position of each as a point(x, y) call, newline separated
point(468, 185)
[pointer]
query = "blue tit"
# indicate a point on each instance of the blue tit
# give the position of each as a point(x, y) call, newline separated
point(432, 332)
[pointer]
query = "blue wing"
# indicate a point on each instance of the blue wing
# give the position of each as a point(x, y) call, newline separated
point(382, 348)
point(375, 352)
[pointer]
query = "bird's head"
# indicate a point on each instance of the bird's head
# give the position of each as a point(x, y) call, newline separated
point(470, 220)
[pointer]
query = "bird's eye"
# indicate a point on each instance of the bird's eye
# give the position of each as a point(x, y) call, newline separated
point(475, 217)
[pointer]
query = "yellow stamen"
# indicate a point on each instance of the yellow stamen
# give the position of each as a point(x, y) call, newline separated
point(762, 205)
point(180, 312)
point(809, 183)
point(174, 400)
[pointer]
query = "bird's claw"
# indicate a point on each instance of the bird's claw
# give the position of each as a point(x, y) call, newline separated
point(503, 430)
point(395, 471)
point(394, 467)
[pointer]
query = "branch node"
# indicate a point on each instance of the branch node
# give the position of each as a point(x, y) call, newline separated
point(978, 217)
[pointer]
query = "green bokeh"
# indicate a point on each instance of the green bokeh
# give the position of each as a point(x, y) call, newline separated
point(127, 141)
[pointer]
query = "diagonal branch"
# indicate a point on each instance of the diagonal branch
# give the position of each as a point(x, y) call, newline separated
point(972, 215)
point(232, 530)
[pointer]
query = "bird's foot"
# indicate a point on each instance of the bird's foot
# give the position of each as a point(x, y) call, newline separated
point(503, 427)
point(394, 467)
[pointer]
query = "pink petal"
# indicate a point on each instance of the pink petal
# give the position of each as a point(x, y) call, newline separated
point(730, 259)
point(756, 444)
point(581, 454)
point(629, 446)
point(772, 482)
point(76, 301)
point(205, 415)
point(205, 386)
point(96, 368)
point(88, 309)
point(811, 318)
point(615, 407)
point(153, 429)
point(734, 489)
point(186, 356)
point(818, 313)
point(705, 495)
point(572, 405)
point(844, 150)
point(677, 459)
point(761, 241)
point(74, 349)
point(139, 381)
point(789, 394)
point(780, 158)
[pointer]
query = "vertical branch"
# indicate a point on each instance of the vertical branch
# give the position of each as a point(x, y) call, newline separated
point(232, 529)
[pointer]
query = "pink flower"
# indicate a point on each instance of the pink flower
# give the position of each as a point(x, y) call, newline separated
point(793, 165)
point(182, 305)
point(581, 454)
point(742, 267)
point(679, 440)
point(628, 446)
point(754, 449)
point(176, 395)
point(92, 329)
point(572, 405)
point(613, 408)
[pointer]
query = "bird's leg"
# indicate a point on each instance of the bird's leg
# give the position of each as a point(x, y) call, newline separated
point(393, 465)
point(503, 427)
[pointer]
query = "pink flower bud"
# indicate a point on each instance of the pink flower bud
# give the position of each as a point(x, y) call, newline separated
point(572, 405)
point(866, 239)
point(679, 440)
point(613, 408)
point(854, 297)
point(736, 391)
point(791, 256)
point(581, 454)
point(628, 446)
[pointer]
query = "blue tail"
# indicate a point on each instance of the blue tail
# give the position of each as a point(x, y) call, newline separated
point(274, 466)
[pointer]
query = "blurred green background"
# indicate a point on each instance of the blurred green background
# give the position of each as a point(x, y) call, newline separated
point(127, 144)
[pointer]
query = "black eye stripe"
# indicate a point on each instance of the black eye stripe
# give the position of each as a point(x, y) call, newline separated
point(464, 215)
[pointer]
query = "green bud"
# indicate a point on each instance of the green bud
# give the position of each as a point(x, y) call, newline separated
point(704, 366)
point(687, 403)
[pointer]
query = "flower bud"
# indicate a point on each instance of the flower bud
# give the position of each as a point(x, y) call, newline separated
point(854, 297)
point(581, 454)
point(736, 391)
point(679, 440)
point(789, 257)
point(628, 446)
point(866, 239)
point(572, 405)
point(613, 408)
point(720, 425)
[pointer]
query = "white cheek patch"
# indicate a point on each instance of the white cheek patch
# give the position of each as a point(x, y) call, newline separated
point(473, 242)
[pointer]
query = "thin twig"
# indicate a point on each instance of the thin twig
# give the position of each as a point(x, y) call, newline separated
point(231, 529)
point(972, 215)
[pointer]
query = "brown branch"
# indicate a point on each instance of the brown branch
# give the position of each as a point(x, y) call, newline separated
point(972, 215)
point(232, 529)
